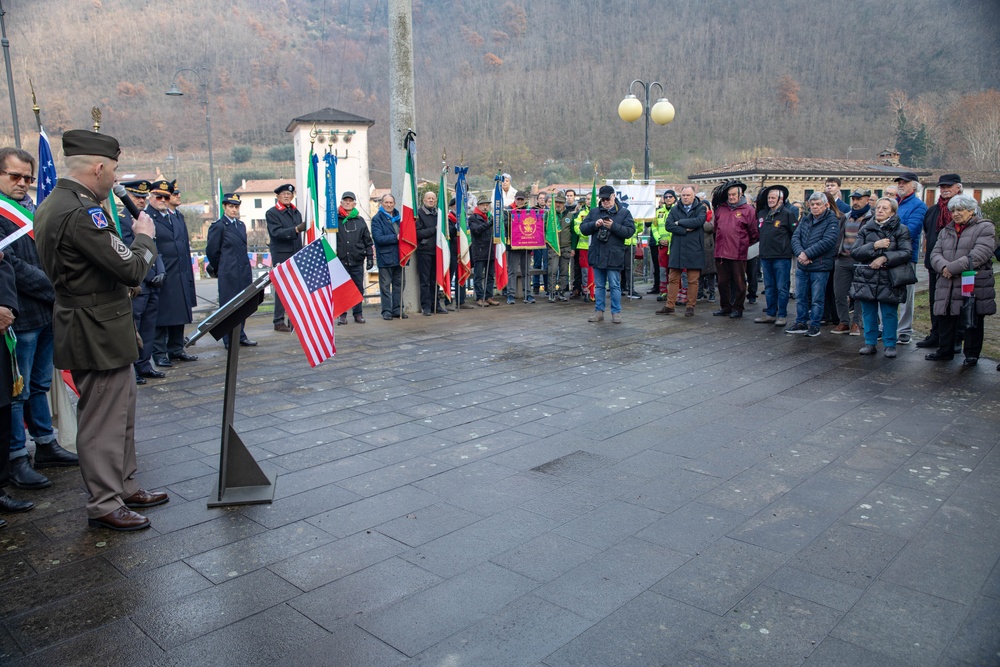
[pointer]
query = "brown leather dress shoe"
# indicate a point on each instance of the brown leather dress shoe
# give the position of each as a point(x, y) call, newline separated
point(142, 498)
point(121, 519)
point(283, 328)
point(359, 319)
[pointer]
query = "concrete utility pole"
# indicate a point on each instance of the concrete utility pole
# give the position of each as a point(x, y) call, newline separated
point(402, 119)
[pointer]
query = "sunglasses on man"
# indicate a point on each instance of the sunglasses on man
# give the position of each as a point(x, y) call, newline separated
point(15, 177)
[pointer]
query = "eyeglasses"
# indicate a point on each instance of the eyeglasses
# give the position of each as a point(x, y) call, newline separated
point(15, 177)
point(161, 197)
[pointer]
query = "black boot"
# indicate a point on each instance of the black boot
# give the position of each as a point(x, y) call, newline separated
point(11, 505)
point(51, 454)
point(23, 476)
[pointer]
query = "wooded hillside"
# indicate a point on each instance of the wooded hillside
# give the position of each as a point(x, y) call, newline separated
point(516, 80)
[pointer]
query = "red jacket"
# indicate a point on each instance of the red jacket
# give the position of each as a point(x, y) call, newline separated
point(735, 231)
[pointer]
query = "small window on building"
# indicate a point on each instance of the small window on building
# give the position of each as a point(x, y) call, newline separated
point(845, 195)
point(258, 203)
point(807, 195)
point(878, 194)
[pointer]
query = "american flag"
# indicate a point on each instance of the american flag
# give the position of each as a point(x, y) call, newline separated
point(315, 288)
point(46, 168)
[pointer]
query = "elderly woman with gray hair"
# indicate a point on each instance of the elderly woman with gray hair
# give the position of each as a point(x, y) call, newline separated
point(883, 243)
point(966, 244)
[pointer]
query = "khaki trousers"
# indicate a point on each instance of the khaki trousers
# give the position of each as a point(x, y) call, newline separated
point(105, 440)
point(675, 285)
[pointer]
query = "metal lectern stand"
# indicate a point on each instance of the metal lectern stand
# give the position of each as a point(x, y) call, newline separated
point(241, 481)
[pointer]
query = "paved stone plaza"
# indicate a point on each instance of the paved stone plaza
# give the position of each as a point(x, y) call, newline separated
point(515, 486)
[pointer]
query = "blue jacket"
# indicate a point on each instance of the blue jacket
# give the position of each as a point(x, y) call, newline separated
point(385, 234)
point(817, 238)
point(911, 213)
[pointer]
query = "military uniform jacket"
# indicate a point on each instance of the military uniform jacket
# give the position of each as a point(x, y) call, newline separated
point(177, 295)
point(284, 240)
point(227, 252)
point(91, 270)
point(125, 224)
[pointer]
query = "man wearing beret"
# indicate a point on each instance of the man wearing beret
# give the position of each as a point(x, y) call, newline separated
point(145, 297)
point(91, 270)
point(177, 295)
point(284, 228)
point(227, 254)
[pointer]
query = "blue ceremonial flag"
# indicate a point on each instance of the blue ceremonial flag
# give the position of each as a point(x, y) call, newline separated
point(330, 161)
point(497, 209)
point(46, 168)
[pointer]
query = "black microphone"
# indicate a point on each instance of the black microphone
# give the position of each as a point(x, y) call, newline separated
point(122, 194)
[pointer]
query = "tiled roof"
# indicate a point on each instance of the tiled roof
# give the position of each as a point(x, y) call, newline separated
point(804, 166)
point(329, 115)
point(969, 178)
point(266, 185)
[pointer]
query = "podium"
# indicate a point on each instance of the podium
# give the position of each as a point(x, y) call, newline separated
point(241, 481)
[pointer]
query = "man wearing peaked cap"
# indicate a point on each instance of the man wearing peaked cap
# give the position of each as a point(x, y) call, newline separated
point(284, 231)
point(146, 297)
point(91, 269)
point(177, 294)
point(227, 254)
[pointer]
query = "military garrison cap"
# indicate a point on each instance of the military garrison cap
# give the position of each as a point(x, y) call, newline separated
point(138, 188)
point(160, 187)
point(85, 142)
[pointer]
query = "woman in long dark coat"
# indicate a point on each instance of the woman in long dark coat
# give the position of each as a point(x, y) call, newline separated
point(227, 253)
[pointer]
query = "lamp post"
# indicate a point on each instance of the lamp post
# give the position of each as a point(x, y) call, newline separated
point(175, 91)
point(630, 109)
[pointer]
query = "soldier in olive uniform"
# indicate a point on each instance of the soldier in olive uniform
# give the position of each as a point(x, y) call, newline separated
point(146, 296)
point(227, 255)
point(284, 227)
point(177, 296)
point(91, 270)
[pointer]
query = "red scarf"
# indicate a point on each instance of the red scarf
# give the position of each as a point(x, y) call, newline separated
point(945, 214)
point(282, 207)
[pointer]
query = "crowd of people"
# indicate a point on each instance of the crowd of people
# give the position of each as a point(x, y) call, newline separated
point(109, 299)
point(853, 264)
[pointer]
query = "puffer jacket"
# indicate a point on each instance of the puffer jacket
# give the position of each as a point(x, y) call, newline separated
point(974, 248)
point(873, 284)
point(817, 238)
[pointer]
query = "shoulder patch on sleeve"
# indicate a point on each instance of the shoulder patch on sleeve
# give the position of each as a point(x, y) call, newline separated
point(96, 214)
point(120, 247)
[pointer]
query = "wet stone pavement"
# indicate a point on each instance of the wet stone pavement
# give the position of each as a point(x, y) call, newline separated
point(516, 486)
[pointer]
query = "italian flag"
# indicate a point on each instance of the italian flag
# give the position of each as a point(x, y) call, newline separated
point(443, 250)
point(408, 223)
point(345, 292)
point(968, 283)
point(464, 267)
point(312, 230)
point(20, 216)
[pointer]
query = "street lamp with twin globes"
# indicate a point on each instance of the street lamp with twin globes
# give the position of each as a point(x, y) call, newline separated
point(630, 109)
